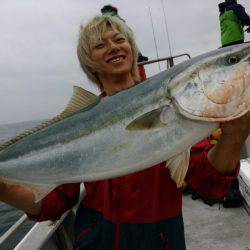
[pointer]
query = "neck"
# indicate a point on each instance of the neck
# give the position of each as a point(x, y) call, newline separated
point(112, 86)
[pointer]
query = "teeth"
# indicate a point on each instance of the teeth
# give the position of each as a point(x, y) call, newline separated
point(117, 59)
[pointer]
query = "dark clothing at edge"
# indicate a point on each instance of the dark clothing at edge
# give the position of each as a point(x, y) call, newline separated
point(232, 20)
point(238, 10)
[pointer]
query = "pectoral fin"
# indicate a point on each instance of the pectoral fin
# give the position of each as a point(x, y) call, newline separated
point(147, 121)
point(178, 166)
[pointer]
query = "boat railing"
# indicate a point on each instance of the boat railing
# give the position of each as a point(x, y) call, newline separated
point(169, 60)
point(13, 229)
point(41, 232)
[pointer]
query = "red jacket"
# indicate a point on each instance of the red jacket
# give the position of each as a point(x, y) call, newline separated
point(142, 210)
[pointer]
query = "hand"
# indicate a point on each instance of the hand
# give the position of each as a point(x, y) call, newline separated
point(237, 130)
point(248, 30)
point(2, 188)
point(225, 155)
point(19, 197)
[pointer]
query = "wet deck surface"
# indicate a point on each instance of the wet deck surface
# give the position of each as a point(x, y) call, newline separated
point(208, 228)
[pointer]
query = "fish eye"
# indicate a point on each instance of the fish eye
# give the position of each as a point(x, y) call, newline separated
point(233, 60)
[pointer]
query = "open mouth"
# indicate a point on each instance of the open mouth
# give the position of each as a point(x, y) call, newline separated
point(116, 59)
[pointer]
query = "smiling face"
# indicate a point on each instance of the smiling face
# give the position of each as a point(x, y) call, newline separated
point(102, 38)
point(113, 55)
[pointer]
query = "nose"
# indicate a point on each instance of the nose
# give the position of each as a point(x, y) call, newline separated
point(113, 46)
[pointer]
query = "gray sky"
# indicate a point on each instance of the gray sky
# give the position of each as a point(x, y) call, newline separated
point(38, 62)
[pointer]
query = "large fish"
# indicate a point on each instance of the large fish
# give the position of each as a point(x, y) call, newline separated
point(134, 129)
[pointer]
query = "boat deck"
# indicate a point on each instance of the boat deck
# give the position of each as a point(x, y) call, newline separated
point(211, 228)
point(206, 228)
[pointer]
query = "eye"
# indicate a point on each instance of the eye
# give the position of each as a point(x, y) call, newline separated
point(99, 46)
point(120, 39)
point(233, 60)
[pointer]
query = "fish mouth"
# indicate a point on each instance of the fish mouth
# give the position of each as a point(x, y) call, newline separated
point(208, 114)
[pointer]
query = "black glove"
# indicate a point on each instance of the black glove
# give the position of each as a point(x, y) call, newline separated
point(141, 58)
point(248, 30)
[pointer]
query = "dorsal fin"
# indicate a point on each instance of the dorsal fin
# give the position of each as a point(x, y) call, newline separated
point(80, 99)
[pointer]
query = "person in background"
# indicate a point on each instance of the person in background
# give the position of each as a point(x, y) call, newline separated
point(233, 19)
point(142, 210)
point(111, 10)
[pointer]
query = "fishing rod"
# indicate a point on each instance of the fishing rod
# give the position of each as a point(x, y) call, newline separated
point(166, 27)
point(157, 54)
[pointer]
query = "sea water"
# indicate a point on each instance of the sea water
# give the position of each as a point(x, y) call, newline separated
point(8, 214)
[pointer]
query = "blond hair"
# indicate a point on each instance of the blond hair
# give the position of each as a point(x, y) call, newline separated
point(91, 34)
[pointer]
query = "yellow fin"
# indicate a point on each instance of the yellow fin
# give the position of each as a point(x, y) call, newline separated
point(80, 99)
point(178, 166)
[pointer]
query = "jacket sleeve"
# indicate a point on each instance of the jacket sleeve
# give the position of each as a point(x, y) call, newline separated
point(242, 15)
point(57, 202)
point(203, 177)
